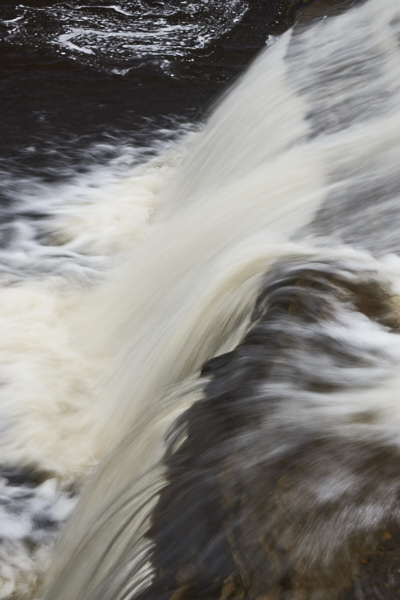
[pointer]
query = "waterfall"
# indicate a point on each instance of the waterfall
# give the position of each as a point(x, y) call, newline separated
point(249, 412)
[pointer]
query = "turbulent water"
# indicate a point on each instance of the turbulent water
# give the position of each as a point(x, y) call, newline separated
point(200, 322)
point(100, 30)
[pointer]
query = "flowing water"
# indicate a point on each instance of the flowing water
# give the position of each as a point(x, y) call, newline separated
point(200, 321)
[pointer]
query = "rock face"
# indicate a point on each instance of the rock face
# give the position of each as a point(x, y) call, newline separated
point(285, 485)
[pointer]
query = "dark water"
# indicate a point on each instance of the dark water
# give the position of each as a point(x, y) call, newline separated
point(82, 72)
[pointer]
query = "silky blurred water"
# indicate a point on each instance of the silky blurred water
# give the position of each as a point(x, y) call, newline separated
point(199, 299)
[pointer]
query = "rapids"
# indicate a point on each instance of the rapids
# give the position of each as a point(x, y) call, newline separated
point(201, 344)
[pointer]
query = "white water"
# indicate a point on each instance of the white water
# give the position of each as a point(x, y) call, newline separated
point(130, 32)
point(140, 278)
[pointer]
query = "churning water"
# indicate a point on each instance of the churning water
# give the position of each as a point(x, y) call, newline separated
point(129, 31)
point(205, 335)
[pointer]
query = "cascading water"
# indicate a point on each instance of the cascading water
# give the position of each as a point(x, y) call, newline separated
point(217, 329)
point(262, 486)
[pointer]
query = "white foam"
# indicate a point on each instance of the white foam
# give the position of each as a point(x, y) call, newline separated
point(115, 32)
point(81, 367)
